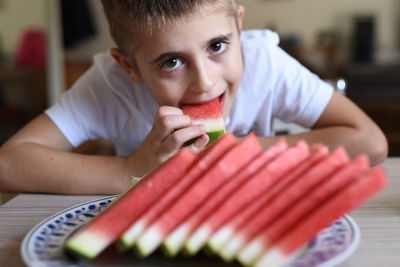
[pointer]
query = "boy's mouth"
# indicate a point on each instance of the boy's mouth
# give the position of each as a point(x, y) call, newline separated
point(221, 99)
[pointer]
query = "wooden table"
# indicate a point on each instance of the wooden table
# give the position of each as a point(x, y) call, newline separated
point(378, 219)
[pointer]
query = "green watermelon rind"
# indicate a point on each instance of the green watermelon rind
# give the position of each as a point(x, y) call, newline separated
point(138, 252)
point(78, 246)
point(209, 252)
point(213, 135)
point(166, 252)
point(121, 246)
point(74, 253)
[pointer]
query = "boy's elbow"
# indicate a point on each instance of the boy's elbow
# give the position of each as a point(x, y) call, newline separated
point(381, 153)
point(379, 147)
point(5, 166)
point(3, 163)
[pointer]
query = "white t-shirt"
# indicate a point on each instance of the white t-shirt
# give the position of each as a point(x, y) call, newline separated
point(105, 104)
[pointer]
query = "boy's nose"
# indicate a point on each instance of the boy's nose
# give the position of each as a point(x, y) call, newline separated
point(203, 79)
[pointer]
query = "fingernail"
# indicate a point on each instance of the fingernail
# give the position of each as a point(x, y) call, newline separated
point(203, 128)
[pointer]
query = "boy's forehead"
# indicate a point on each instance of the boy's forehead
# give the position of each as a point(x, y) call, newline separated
point(199, 27)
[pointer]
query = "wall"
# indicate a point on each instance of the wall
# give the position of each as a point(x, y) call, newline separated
point(308, 17)
point(305, 17)
point(15, 17)
point(101, 42)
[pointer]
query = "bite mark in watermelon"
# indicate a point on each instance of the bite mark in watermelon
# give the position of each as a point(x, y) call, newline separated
point(208, 114)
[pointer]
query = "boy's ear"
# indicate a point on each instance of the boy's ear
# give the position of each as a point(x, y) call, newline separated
point(240, 16)
point(127, 65)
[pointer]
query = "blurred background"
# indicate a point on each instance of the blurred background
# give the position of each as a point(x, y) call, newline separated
point(45, 45)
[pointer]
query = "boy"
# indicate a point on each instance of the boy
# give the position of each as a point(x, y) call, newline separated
point(174, 52)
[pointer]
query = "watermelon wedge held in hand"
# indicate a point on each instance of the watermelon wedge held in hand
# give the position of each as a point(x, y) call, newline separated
point(210, 115)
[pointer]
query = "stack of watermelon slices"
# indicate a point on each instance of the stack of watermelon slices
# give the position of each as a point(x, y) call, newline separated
point(206, 200)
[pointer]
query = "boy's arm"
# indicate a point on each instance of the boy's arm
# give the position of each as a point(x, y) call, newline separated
point(343, 123)
point(36, 159)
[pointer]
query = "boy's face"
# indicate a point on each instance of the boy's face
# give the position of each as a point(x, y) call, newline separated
point(195, 61)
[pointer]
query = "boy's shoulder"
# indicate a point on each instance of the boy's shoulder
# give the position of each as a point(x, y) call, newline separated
point(105, 62)
point(110, 72)
point(259, 37)
point(107, 80)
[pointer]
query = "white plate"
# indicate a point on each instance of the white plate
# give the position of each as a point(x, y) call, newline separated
point(43, 245)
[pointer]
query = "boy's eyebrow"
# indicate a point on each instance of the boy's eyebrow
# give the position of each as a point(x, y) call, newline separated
point(172, 54)
point(222, 37)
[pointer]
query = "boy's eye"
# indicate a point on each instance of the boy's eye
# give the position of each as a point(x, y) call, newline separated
point(218, 47)
point(171, 64)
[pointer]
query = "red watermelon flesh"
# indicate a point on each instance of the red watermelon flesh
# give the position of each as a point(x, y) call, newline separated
point(207, 158)
point(300, 208)
point(107, 227)
point(355, 193)
point(225, 233)
point(176, 239)
point(318, 195)
point(207, 110)
point(228, 165)
point(277, 241)
point(252, 189)
point(289, 195)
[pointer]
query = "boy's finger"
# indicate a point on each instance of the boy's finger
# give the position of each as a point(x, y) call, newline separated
point(167, 111)
point(200, 143)
point(175, 140)
point(168, 124)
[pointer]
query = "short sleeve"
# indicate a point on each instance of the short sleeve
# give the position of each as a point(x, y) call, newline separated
point(300, 96)
point(78, 114)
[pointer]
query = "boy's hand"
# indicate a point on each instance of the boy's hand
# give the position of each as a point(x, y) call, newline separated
point(170, 131)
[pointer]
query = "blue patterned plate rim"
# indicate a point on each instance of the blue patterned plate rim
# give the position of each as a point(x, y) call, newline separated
point(42, 245)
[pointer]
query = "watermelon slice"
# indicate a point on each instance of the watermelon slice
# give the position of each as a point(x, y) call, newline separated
point(175, 240)
point(219, 240)
point(210, 115)
point(289, 195)
point(206, 159)
point(254, 187)
point(107, 227)
point(355, 193)
point(198, 193)
point(318, 195)
point(301, 207)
